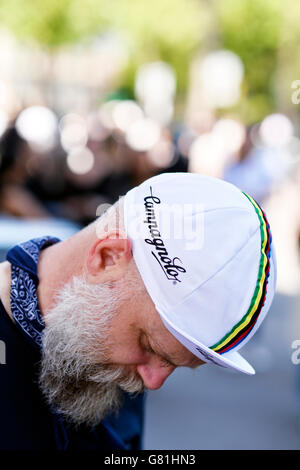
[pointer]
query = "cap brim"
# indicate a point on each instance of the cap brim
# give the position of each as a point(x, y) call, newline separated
point(231, 360)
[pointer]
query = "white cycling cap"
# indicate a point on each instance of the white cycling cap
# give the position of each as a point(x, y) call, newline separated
point(205, 254)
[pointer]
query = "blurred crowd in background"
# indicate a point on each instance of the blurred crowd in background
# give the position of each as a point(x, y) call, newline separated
point(73, 165)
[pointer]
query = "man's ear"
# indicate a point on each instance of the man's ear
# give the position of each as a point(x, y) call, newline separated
point(108, 258)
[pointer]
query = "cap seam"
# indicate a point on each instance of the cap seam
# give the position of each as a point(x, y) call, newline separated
point(227, 208)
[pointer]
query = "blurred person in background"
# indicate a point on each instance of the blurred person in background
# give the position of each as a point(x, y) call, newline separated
point(266, 169)
point(110, 174)
point(258, 168)
point(116, 167)
point(216, 149)
point(283, 206)
point(17, 160)
point(85, 189)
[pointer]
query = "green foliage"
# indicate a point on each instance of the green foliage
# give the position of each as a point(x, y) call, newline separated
point(251, 29)
point(264, 33)
point(50, 22)
point(168, 30)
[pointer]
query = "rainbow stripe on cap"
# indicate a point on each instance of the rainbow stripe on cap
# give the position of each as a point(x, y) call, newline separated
point(242, 329)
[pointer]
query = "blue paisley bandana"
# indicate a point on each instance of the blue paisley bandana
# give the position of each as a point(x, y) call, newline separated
point(24, 281)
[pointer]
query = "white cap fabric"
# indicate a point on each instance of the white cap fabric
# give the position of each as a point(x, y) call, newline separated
point(204, 251)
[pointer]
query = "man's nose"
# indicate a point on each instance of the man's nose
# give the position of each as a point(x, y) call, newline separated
point(154, 375)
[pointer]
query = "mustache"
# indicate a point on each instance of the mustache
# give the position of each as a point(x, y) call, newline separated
point(128, 381)
point(75, 375)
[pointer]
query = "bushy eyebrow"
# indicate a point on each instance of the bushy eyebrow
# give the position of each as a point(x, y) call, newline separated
point(151, 345)
point(172, 360)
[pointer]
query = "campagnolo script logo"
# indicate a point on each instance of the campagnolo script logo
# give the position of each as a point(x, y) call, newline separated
point(169, 266)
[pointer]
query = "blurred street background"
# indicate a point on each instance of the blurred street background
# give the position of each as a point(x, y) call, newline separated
point(97, 96)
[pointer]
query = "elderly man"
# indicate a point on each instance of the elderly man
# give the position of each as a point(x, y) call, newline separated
point(179, 272)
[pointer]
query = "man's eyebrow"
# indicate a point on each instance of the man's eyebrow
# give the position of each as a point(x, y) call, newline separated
point(167, 358)
point(173, 359)
point(158, 350)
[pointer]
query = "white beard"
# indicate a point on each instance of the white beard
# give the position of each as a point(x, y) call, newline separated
point(75, 375)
